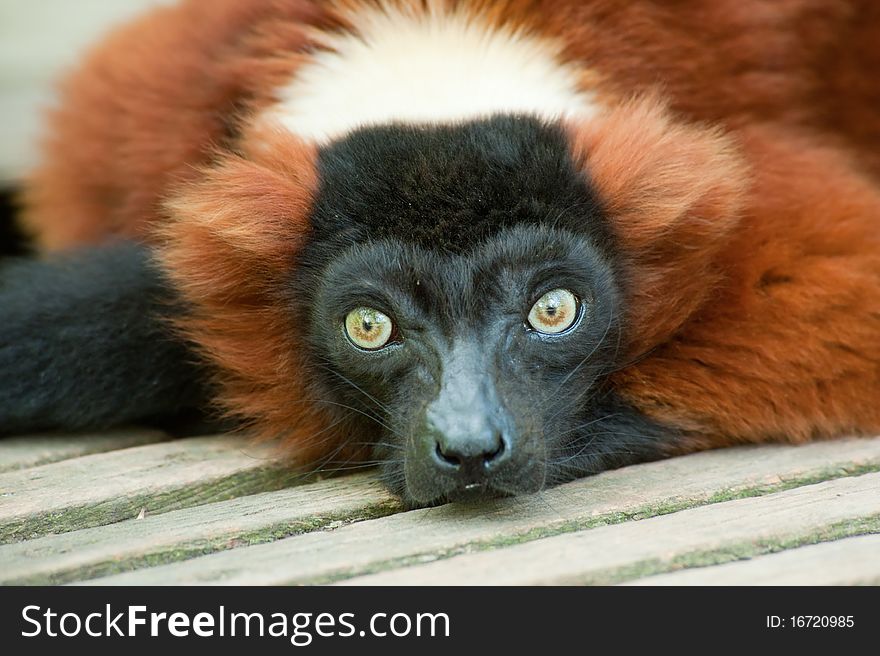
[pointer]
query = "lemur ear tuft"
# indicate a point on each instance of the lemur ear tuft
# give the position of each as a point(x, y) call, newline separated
point(673, 192)
point(257, 202)
point(229, 246)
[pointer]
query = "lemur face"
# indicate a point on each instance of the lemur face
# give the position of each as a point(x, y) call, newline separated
point(459, 295)
point(461, 303)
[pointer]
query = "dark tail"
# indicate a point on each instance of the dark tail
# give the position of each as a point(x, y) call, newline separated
point(85, 343)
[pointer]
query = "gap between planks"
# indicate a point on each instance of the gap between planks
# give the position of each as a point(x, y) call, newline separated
point(195, 531)
point(104, 488)
point(850, 561)
point(33, 450)
point(609, 554)
point(428, 534)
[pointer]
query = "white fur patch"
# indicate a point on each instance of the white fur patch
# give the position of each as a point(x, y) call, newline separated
point(426, 67)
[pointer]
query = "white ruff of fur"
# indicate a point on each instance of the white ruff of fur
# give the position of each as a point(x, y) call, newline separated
point(429, 68)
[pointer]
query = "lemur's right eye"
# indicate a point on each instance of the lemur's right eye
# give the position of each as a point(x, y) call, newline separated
point(368, 329)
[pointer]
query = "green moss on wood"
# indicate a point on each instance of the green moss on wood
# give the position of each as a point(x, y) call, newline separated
point(606, 519)
point(274, 478)
point(732, 552)
point(127, 507)
point(206, 546)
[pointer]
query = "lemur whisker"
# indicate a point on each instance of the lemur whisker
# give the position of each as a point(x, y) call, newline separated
point(372, 398)
point(568, 377)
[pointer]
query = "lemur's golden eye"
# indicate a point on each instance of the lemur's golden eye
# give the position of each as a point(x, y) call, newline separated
point(368, 329)
point(555, 312)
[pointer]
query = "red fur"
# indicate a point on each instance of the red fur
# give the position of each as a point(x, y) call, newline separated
point(674, 193)
point(228, 248)
point(786, 347)
point(736, 159)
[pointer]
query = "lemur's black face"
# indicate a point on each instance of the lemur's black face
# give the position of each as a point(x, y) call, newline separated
point(460, 297)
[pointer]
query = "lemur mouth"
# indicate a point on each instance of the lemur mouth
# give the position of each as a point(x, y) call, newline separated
point(475, 492)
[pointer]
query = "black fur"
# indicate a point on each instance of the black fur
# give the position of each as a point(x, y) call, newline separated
point(448, 188)
point(455, 232)
point(84, 343)
point(12, 242)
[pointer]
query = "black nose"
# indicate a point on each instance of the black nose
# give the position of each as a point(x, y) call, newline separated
point(472, 459)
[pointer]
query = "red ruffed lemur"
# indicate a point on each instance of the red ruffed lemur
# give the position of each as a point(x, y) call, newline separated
point(492, 245)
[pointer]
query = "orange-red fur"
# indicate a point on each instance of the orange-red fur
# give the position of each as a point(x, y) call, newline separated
point(229, 247)
point(786, 346)
point(675, 193)
point(738, 163)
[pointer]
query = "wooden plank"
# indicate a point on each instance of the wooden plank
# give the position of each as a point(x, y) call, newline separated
point(603, 555)
point(32, 450)
point(194, 531)
point(427, 534)
point(851, 561)
point(109, 487)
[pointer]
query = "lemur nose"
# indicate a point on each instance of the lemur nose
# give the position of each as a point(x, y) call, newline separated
point(472, 459)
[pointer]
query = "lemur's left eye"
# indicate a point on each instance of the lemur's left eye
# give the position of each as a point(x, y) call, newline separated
point(555, 312)
point(368, 329)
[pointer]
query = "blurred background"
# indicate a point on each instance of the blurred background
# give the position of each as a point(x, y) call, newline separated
point(39, 40)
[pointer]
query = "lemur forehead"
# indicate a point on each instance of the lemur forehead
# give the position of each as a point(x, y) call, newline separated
point(426, 63)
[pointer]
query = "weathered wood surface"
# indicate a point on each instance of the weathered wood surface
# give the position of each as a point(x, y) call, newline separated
point(33, 450)
point(218, 510)
point(851, 561)
point(194, 531)
point(605, 555)
point(109, 487)
point(430, 534)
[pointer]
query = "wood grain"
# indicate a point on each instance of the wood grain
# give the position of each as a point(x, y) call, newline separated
point(851, 561)
point(33, 450)
point(105, 488)
point(194, 531)
point(602, 555)
point(429, 534)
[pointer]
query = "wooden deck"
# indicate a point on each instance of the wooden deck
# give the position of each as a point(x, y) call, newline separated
point(137, 508)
